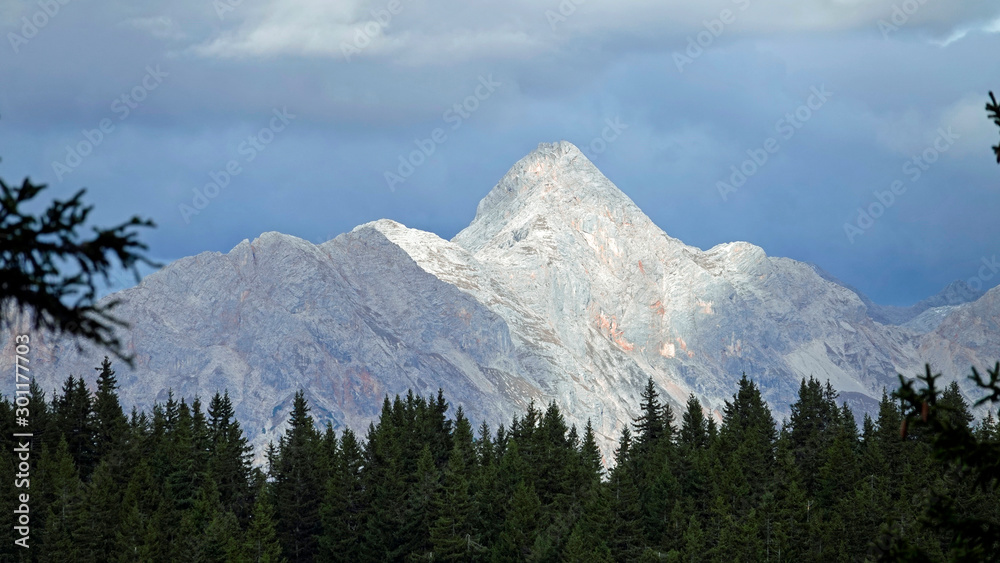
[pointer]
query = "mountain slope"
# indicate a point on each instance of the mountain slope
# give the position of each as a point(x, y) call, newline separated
point(560, 289)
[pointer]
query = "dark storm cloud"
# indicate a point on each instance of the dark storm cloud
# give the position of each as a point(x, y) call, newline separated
point(693, 85)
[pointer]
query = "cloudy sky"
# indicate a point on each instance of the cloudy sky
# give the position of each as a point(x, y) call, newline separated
point(847, 133)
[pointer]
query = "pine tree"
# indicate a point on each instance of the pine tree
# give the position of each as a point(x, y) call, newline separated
point(451, 533)
point(205, 532)
point(694, 428)
point(693, 541)
point(421, 509)
point(590, 460)
point(692, 468)
point(529, 442)
point(221, 539)
point(296, 485)
point(486, 489)
point(555, 463)
point(813, 414)
point(988, 430)
point(231, 461)
point(384, 482)
point(838, 477)
point(261, 540)
point(74, 421)
point(588, 540)
point(462, 441)
point(137, 538)
point(343, 511)
point(948, 448)
point(520, 525)
point(200, 438)
point(626, 538)
point(582, 548)
point(840, 470)
point(63, 537)
point(869, 499)
point(184, 478)
point(109, 419)
point(163, 438)
point(102, 514)
point(649, 425)
point(328, 445)
point(953, 409)
point(747, 443)
point(788, 532)
point(436, 429)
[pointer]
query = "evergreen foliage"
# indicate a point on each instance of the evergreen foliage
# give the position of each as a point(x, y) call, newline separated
point(178, 484)
point(38, 249)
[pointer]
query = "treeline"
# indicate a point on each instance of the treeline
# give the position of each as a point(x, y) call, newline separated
point(178, 484)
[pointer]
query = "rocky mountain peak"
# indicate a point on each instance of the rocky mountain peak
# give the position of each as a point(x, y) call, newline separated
point(556, 185)
point(560, 289)
point(955, 293)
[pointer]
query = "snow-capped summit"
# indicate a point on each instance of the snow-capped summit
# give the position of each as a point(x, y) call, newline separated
point(560, 289)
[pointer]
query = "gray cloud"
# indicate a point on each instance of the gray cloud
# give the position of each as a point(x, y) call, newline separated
point(561, 79)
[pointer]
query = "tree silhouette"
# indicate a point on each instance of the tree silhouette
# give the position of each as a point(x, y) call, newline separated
point(953, 444)
point(993, 110)
point(50, 269)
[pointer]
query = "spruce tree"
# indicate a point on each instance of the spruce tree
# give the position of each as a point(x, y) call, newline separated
point(486, 490)
point(814, 413)
point(520, 526)
point(747, 446)
point(384, 482)
point(137, 538)
point(555, 460)
point(788, 538)
point(451, 534)
point(296, 486)
point(230, 464)
point(110, 425)
point(205, 531)
point(63, 535)
point(626, 537)
point(74, 419)
point(222, 538)
point(260, 544)
point(591, 466)
point(421, 508)
point(102, 513)
point(649, 425)
point(343, 510)
point(694, 428)
point(585, 549)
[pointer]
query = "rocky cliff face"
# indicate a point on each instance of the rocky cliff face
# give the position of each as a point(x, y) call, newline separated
point(560, 289)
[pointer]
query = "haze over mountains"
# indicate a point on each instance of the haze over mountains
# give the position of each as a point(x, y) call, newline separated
point(559, 289)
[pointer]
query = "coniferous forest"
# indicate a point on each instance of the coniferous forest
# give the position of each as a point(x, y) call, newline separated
point(178, 483)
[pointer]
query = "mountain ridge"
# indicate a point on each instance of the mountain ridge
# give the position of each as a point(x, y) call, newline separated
point(560, 288)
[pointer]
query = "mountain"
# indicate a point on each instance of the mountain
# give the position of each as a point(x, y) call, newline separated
point(922, 316)
point(561, 289)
